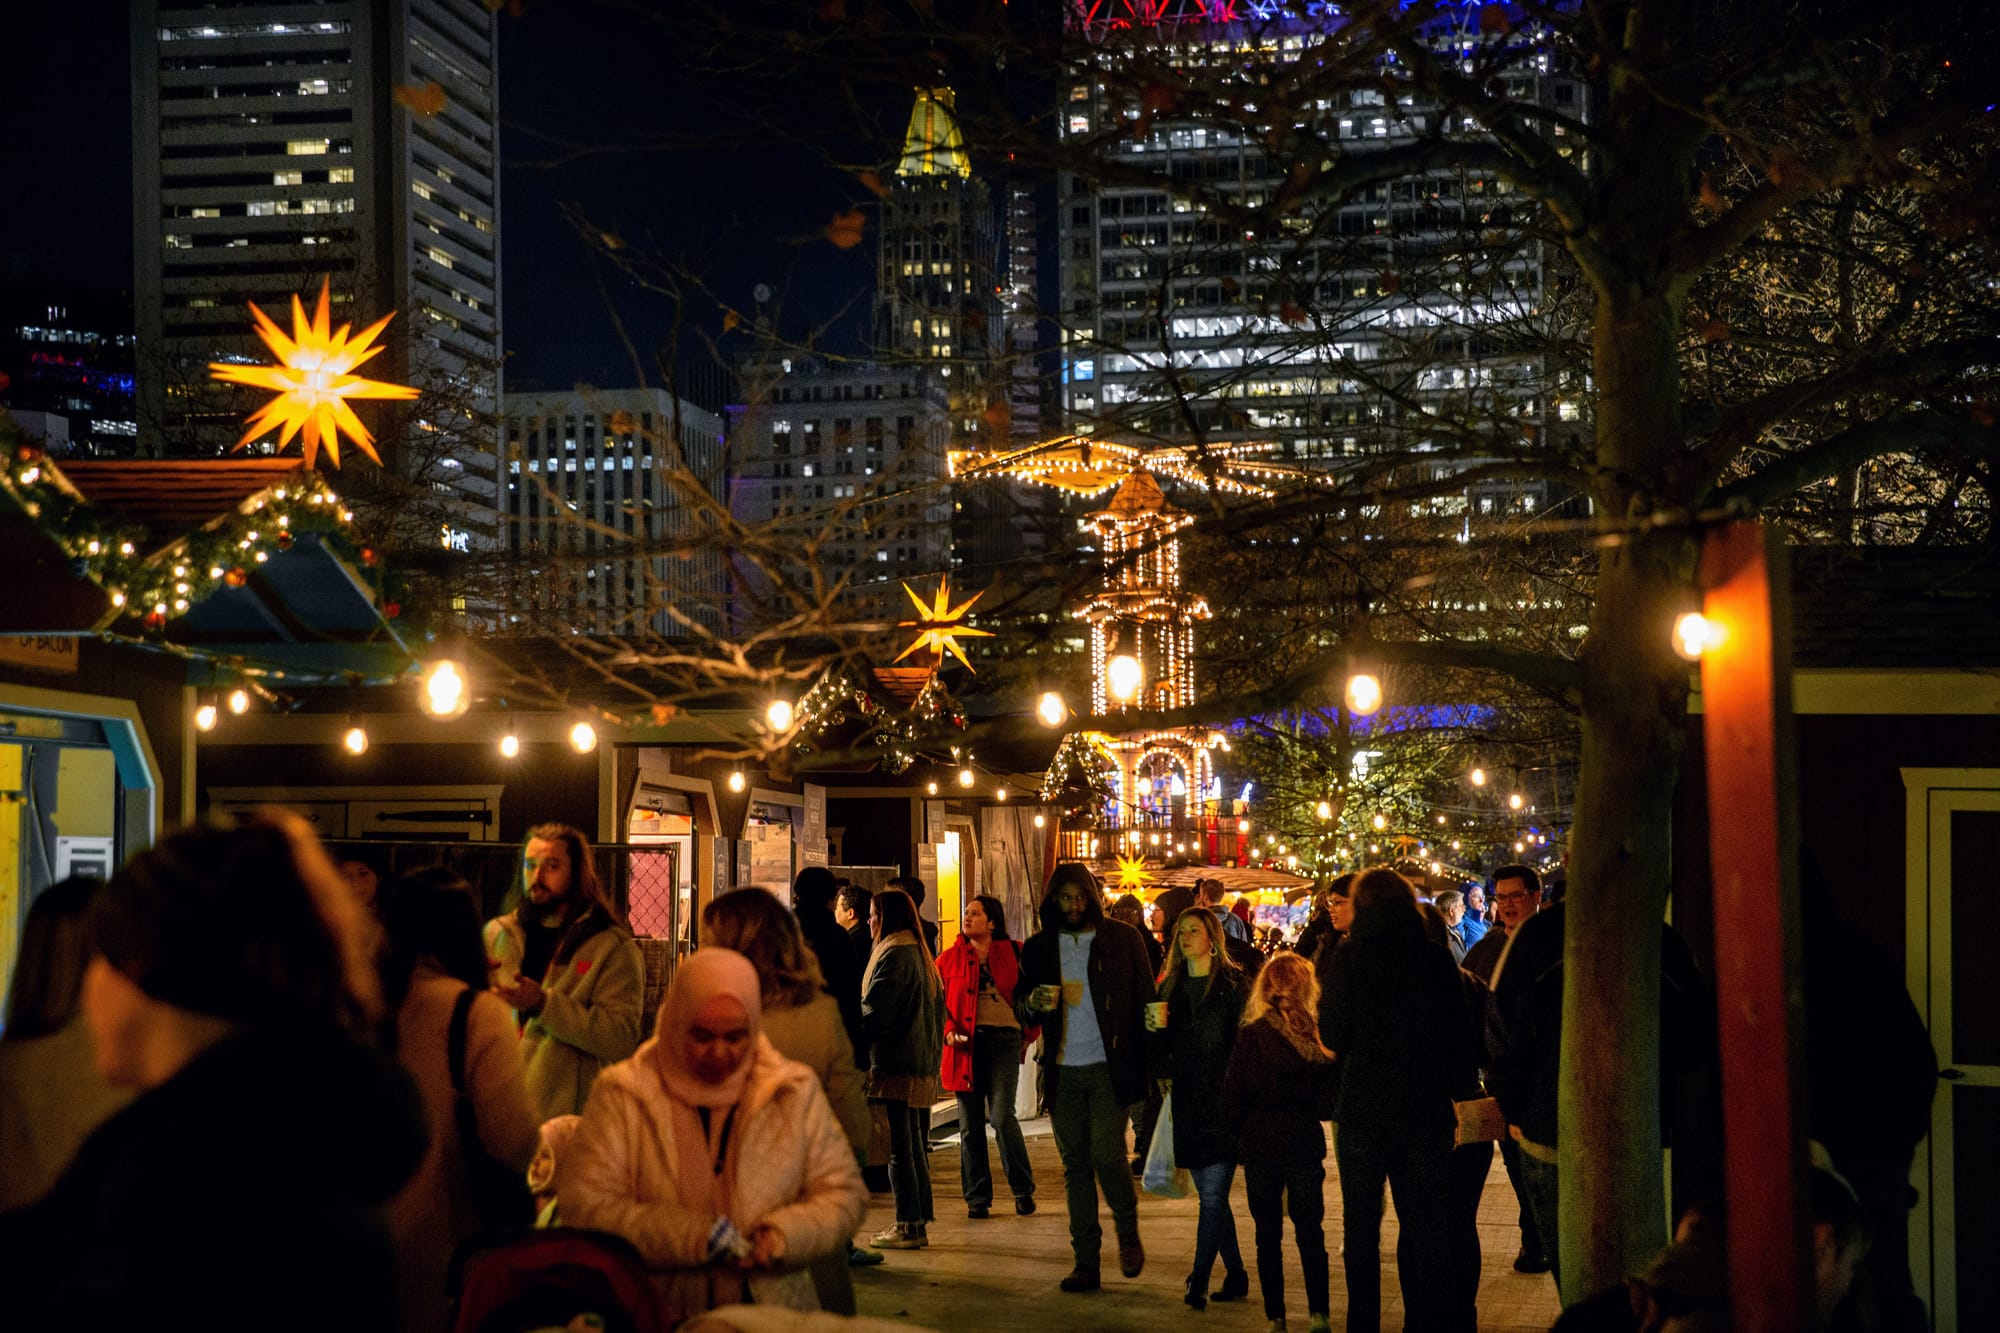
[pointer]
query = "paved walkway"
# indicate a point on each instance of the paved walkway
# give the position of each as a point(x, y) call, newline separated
point(1001, 1274)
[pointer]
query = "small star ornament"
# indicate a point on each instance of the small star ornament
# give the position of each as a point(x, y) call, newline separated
point(940, 625)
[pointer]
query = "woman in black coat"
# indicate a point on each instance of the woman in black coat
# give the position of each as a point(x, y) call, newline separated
point(1203, 994)
point(1394, 1011)
point(1276, 1092)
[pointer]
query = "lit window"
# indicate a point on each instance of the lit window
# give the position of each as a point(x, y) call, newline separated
point(340, 175)
point(288, 178)
point(307, 147)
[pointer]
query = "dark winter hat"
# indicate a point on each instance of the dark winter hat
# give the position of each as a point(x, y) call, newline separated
point(1174, 901)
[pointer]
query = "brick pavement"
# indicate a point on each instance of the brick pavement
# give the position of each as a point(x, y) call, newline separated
point(1001, 1274)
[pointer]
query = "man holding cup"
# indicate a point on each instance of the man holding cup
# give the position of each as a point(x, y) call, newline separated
point(1086, 979)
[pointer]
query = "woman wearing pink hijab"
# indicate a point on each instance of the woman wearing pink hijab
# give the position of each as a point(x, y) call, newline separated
point(719, 1159)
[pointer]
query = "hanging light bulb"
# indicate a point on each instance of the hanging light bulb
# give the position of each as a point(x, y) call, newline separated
point(1695, 634)
point(1364, 694)
point(1123, 675)
point(965, 777)
point(1324, 809)
point(1000, 794)
point(446, 693)
point(510, 746)
point(778, 715)
point(1041, 821)
point(355, 742)
point(204, 718)
point(1516, 801)
point(583, 737)
point(239, 702)
point(931, 787)
point(1380, 822)
point(737, 781)
point(1479, 777)
point(1051, 709)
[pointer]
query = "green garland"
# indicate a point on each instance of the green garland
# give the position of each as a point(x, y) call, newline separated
point(1079, 774)
point(166, 583)
point(828, 704)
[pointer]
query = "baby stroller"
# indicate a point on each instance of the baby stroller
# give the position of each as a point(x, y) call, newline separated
point(555, 1279)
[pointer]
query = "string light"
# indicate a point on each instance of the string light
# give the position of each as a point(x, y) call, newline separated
point(1516, 801)
point(778, 715)
point(583, 737)
point(1695, 634)
point(1380, 822)
point(445, 691)
point(1124, 675)
point(510, 746)
point(1324, 810)
point(931, 788)
point(355, 742)
point(1041, 820)
point(1051, 709)
point(1364, 694)
point(965, 777)
point(204, 718)
point(1479, 777)
point(737, 782)
point(239, 702)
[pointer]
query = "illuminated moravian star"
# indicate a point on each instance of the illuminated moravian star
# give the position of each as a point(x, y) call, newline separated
point(940, 625)
point(313, 381)
point(1132, 873)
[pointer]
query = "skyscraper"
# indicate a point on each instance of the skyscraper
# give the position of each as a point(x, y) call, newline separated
point(1202, 295)
point(277, 144)
point(938, 280)
point(605, 540)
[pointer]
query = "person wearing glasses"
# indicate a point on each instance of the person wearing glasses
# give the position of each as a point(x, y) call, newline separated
point(1517, 895)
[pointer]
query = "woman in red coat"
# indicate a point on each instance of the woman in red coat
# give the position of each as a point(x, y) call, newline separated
point(983, 1042)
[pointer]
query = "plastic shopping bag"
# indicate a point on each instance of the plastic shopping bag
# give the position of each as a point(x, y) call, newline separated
point(1161, 1176)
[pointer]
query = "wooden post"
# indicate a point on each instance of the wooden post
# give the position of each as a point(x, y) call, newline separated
point(1752, 805)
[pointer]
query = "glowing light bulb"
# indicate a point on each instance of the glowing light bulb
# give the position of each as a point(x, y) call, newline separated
point(445, 689)
point(1695, 634)
point(239, 702)
point(1124, 675)
point(1051, 709)
point(1479, 777)
point(1041, 821)
point(355, 741)
point(965, 777)
point(204, 718)
point(1515, 802)
point(1324, 809)
point(737, 782)
point(779, 715)
point(1364, 694)
point(1380, 822)
point(510, 746)
point(583, 737)
point(1000, 794)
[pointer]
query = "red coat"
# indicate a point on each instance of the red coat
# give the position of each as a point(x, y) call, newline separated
point(960, 972)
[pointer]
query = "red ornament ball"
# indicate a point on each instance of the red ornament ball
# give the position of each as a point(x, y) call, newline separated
point(284, 541)
point(236, 577)
point(369, 555)
point(154, 620)
point(392, 609)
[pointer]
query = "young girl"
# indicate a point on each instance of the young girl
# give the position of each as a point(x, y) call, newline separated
point(1275, 1092)
point(555, 1137)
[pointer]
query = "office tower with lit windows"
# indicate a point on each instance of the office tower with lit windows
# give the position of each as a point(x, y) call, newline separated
point(938, 275)
point(848, 460)
point(1318, 332)
point(601, 518)
point(277, 144)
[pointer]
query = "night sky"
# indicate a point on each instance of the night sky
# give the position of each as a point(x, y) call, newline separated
point(740, 209)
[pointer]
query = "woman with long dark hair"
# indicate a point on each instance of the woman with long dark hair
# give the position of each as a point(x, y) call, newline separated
point(1203, 994)
point(803, 1022)
point(983, 1045)
point(229, 988)
point(1395, 1012)
point(902, 1015)
point(433, 966)
point(1278, 1084)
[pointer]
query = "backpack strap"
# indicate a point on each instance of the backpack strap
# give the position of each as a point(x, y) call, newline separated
point(461, 1010)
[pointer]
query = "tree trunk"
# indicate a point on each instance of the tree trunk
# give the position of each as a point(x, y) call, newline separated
point(1634, 719)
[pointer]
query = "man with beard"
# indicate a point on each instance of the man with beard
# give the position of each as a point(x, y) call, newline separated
point(1085, 980)
point(581, 991)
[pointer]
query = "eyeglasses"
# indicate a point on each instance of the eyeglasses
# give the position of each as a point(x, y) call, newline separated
point(1513, 897)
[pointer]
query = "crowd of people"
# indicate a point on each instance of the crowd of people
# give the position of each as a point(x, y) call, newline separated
point(238, 1073)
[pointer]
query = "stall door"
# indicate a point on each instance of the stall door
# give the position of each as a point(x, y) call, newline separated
point(1954, 957)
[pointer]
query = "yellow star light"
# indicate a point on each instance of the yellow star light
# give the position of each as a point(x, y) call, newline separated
point(313, 380)
point(939, 625)
point(1132, 873)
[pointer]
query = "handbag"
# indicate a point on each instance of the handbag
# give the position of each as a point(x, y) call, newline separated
point(498, 1194)
point(1161, 1176)
point(1479, 1121)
